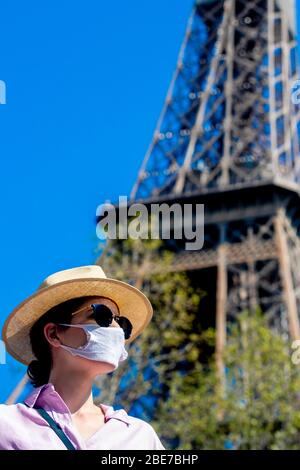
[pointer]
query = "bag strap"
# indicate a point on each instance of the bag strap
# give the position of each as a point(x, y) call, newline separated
point(56, 428)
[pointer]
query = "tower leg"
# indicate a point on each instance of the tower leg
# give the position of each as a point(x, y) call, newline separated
point(286, 275)
point(221, 305)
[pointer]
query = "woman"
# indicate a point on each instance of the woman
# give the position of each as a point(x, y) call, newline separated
point(72, 329)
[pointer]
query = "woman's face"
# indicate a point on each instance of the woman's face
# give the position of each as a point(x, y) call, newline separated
point(76, 337)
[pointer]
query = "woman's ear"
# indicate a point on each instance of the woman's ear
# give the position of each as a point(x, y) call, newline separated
point(50, 332)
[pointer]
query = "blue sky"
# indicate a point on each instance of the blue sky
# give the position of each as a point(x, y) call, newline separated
point(85, 85)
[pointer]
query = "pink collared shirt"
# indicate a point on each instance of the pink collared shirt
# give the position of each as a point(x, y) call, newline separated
point(22, 427)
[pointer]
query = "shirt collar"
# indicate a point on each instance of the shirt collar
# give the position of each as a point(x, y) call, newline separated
point(46, 396)
point(110, 413)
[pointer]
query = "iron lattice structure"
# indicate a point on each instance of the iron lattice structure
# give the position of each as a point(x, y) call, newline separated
point(228, 137)
point(228, 118)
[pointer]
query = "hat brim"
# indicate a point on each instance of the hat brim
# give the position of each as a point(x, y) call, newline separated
point(132, 304)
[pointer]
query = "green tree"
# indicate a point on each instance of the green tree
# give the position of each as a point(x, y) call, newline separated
point(260, 407)
point(170, 343)
point(167, 380)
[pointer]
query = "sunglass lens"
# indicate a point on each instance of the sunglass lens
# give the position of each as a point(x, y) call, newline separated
point(126, 325)
point(103, 315)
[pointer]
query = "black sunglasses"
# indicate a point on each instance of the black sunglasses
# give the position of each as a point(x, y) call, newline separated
point(104, 317)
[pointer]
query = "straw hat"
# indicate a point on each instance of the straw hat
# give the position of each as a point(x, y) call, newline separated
point(70, 284)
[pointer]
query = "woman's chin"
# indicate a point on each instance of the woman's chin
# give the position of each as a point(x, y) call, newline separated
point(103, 367)
point(98, 367)
point(108, 367)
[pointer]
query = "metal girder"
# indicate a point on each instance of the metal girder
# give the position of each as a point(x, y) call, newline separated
point(228, 118)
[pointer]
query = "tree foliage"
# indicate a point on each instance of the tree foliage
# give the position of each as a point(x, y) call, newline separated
point(170, 343)
point(260, 406)
point(166, 381)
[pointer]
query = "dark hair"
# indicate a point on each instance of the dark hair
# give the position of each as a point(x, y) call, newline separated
point(39, 369)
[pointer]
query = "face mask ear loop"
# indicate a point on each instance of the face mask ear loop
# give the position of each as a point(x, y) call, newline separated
point(87, 333)
point(79, 325)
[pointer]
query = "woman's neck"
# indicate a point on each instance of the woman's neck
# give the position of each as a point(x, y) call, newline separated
point(75, 389)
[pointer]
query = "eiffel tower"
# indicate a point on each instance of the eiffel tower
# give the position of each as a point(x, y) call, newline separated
point(228, 137)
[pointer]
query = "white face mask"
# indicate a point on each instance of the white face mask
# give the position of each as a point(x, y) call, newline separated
point(105, 344)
